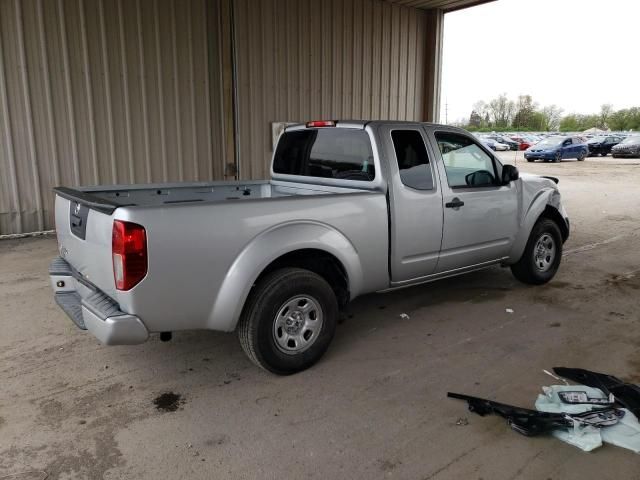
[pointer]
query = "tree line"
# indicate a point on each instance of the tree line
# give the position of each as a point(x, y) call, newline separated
point(523, 114)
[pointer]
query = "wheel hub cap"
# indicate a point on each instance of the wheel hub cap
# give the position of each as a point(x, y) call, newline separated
point(297, 324)
point(545, 252)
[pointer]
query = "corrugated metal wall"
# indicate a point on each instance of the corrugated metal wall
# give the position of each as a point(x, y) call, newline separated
point(125, 91)
point(105, 91)
point(331, 59)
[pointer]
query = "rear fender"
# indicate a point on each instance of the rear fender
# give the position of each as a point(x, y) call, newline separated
point(269, 246)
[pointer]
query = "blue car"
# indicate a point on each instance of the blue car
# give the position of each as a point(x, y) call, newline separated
point(554, 149)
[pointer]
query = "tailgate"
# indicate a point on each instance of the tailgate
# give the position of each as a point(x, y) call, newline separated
point(84, 227)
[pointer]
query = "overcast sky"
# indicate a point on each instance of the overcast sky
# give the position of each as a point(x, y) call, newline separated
point(561, 52)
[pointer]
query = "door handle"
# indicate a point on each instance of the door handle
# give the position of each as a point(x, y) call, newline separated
point(455, 203)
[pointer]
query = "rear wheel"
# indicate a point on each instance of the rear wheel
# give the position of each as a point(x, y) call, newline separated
point(581, 156)
point(288, 321)
point(542, 255)
point(604, 154)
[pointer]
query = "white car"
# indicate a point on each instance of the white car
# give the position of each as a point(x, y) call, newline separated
point(501, 147)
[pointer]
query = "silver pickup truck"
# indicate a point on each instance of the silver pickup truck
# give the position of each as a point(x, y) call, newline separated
point(351, 208)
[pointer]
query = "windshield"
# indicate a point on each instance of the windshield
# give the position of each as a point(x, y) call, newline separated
point(635, 139)
point(551, 142)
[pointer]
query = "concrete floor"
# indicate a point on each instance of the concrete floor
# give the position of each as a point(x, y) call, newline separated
point(374, 407)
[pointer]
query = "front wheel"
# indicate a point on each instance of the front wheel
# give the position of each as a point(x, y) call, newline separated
point(604, 154)
point(581, 156)
point(542, 255)
point(558, 157)
point(288, 321)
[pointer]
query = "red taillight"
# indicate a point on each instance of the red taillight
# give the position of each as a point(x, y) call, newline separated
point(321, 123)
point(129, 251)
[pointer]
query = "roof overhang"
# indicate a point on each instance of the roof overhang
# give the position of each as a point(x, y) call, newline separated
point(444, 5)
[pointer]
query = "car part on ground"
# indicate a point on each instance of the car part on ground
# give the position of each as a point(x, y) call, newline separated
point(626, 394)
point(580, 399)
point(584, 416)
point(533, 422)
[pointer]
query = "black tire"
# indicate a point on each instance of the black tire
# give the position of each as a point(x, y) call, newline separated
point(256, 329)
point(530, 160)
point(581, 156)
point(527, 269)
point(558, 158)
point(604, 154)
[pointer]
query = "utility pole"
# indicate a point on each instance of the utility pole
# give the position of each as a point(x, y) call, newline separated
point(446, 112)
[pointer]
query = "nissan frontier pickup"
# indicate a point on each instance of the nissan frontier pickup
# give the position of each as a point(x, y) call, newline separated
point(352, 207)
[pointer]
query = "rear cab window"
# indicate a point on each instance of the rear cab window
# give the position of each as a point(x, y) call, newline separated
point(413, 159)
point(337, 153)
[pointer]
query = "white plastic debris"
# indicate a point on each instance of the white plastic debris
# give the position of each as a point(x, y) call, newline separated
point(557, 378)
point(625, 434)
point(404, 316)
point(509, 310)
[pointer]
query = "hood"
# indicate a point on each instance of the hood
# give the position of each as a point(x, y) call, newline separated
point(537, 182)
point(542, 148)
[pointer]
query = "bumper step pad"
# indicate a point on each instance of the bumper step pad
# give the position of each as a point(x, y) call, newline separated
point(71, 303)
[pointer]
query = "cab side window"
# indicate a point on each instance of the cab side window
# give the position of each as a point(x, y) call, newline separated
point(465, 162)
point(413, 160)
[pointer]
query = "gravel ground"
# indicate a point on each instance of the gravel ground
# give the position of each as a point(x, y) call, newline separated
point(374, 407)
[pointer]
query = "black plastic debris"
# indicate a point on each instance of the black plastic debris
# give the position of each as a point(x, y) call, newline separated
point(532, 422)
point(625, 394)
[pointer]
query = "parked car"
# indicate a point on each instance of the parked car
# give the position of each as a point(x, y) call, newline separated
point(351, 208)
point(554, 149)
point(500, 147)
point(602, 145)
point(492, 143)
point(629, 147)
point(512, 144)
point(523, 143)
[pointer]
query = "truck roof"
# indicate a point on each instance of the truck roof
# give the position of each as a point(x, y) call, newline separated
point(358, 124)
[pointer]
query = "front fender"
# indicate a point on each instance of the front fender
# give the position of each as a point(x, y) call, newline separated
point(269, 246)
point(547, 196)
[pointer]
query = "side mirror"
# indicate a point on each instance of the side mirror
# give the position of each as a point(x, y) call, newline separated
point(509, 174)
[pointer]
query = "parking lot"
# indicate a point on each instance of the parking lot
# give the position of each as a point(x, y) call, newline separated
point(374, 407)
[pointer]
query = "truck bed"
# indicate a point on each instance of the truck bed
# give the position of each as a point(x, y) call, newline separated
point(196, 232)
point(108, 198)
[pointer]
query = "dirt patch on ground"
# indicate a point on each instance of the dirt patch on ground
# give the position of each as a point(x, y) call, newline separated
point(625, 280)
point(168, 402)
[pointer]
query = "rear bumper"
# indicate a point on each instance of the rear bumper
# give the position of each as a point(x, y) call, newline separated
point(92, 310)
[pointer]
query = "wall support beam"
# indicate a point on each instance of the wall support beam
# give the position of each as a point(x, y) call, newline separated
point(220, 13)
point(433, 65)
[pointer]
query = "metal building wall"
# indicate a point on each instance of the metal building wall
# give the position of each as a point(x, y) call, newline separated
point(103, 92)
point(331, 59)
